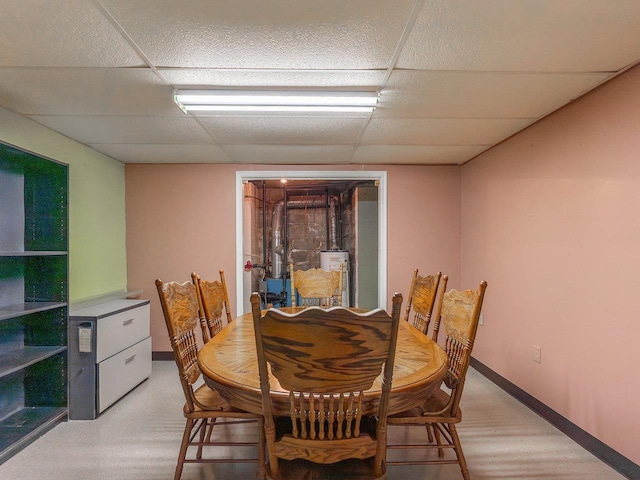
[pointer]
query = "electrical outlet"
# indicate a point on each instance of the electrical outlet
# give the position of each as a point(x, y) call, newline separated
point(537, 354)
point(481, 319)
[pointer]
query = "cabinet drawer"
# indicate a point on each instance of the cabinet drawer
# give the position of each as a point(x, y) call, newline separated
point(119, 331)
point(122, 372)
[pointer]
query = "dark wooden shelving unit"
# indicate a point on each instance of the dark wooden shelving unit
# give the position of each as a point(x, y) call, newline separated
point(33, 297)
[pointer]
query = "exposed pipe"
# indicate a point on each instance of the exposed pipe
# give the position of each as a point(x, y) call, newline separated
point(276, 240)
point(332, 224)
point(264, 223)
point(277, 227)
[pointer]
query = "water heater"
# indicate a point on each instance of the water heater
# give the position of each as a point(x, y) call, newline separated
point(331, 260)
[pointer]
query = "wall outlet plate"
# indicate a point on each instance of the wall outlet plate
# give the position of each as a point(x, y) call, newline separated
point(537, 354)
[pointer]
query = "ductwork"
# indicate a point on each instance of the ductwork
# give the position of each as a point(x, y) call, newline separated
point(333, 223)
point(276, 239)
point(277, 227)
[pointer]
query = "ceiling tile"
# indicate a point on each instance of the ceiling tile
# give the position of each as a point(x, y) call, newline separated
point(279, 130)
point(332, 34)
point(467, 76)
point(65, 33)
point(480, 95)
point(127, 129)
point(289, 154)
point(414, 154)
point(163, 153)
point(525, 35)
point(273, 78)
point(440, 131)
point(85, 91)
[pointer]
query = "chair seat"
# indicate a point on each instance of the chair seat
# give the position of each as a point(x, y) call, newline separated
point(428, 412)
point(210, 400)
point(326, 451)
point(325, 459)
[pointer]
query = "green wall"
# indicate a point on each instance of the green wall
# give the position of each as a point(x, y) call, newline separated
point(97, 231)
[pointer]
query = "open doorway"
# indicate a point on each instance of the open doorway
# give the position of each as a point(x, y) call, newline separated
point(313, 220)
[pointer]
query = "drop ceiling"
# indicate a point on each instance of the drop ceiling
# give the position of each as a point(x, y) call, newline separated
point(455, 77)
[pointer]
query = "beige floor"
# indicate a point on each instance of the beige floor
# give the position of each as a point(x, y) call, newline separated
point(138, 439)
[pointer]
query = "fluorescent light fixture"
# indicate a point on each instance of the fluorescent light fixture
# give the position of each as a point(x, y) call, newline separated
point(275, 101)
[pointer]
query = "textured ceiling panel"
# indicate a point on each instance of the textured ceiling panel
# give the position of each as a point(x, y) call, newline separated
point(455, 77)
point(163, 153)
point(331, 34)
point(414, 154)
point(440, 131)
point(61, 33)
point(274, 78)
point(285, 130)
point(85, 91)
point(480, 95)
point(524, 35)
point(289, 154)
point(127, 129)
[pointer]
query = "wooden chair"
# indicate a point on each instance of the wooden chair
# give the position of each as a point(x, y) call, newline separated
point(326, 359)
point(437, 312)
point(316, 287)
point(214, 300)
point(460, 317)
point(203, 405)
point(425, 302)
point(422, 299)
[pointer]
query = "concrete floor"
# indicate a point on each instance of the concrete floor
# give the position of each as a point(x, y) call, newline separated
point(138, 439)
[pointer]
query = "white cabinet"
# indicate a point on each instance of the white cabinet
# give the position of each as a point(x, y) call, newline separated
point(109, 354)
point(121, 372)
point(122, 323)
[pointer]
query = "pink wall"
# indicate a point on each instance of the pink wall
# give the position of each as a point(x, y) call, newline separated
point(550, 219)
point(423, 224)
point(181, 218)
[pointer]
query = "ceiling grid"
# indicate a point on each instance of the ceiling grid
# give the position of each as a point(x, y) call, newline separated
point(455, 78)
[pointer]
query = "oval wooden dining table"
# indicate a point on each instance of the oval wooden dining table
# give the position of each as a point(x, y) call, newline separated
point(229, 364)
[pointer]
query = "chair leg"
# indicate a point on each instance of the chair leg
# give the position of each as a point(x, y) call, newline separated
point(430, 436)
point(212, 423)
point(208, 428)
point(204, 427)
point(183, 448)
point(458, 450)
point(436, 434)
point(262, 473)
point(270, 437)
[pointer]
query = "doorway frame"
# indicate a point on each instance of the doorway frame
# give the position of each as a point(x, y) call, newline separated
point(380, 177)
